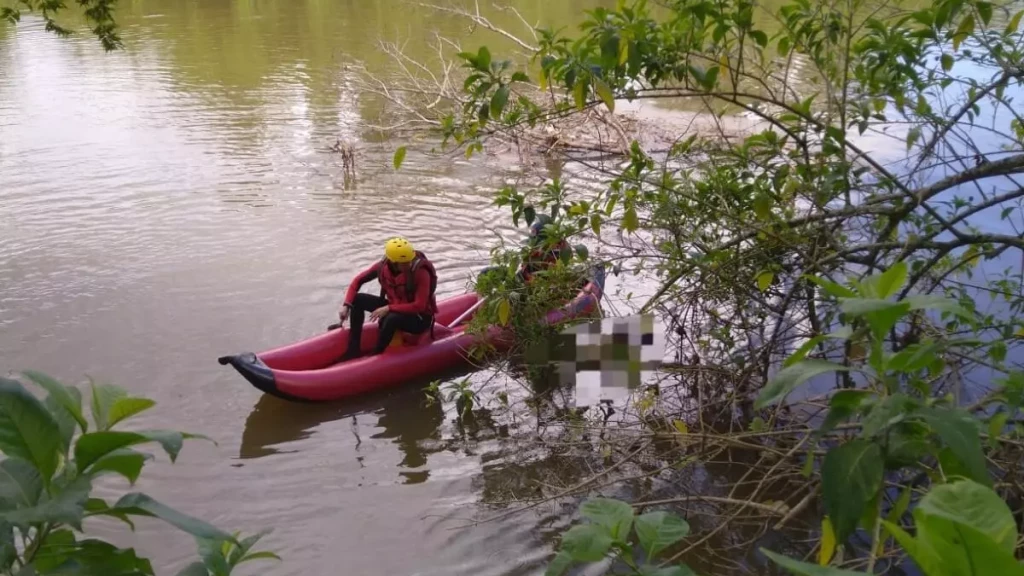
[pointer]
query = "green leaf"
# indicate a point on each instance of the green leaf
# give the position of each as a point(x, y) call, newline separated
point(940, 303)
point(947, 62)
point(760, 37)
point(194, 569)
point(764, 280)
point(483, 59)
point(792, 376)
point(882, 315)
point(587, 542)
point(883, 413)
point(20, 484)
point(94, 445)
point(828, 542)
point(562, 561)
point(971, 504)
point(504, 311)
point(914, 357)
point(595, 224)
point(98, 558)
point(892, 280)
point(996, 425)
point(579, 93)
point(143, 505)
point(842, 405)
point(8, 549)
point(65, 423)
point(803, 350)
point(69, 397)
point(264, 555)
point(53, 551)
point(985, 11)
point(913, 136)
point(806, 569)
point(27, 429)
point(399, 157)
point(763, 206)
point(831, 287)
point(103, 398)
point(907, 445)
point(850, 477)
point(630, 221)
point(127, 463)
point(126, 408)
point(958, 431)
point(498, 101)
point(1014, 23)
point(614, 515)
point(948, 547)
point(605, 93)
point(965, 29)
point(659, 530)
point(66, 507)
point(99, 507)
point(582, 252)
point(520, 77)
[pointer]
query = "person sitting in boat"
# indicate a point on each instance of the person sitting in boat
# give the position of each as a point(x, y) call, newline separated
point(406, 302)
point(541, 256)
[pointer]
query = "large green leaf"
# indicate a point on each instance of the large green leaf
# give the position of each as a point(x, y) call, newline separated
point(27, 429)
point(890, 281)
point(143, 505)
point(886, 412)
point(65, 422)
point(851, 475)
point(559, 564)
point(54, 550)
point(614, 515)
point(961, 550)
point(20, 484)
point(8, 550)
point(805, 569)
point(127, 407)
point(587, 542)
point(92, 446)
point(99, 558)
point(659, 530)
point(126, 462)
point(973, 505)
point(789, 378)
point(103, 398)
point(958, 431)
point(68, 397)
point(99, 507)
point(65, 507)
point(882, 315)
point(842, 405)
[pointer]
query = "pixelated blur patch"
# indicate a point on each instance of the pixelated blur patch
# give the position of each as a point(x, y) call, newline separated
point(610, 357)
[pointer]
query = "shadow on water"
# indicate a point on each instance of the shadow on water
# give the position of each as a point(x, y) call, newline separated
point(403, 415)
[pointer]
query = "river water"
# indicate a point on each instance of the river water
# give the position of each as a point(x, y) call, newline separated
point(174, 202)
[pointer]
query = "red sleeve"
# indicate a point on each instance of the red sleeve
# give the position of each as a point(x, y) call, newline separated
point(360, 279)
point(422, 302)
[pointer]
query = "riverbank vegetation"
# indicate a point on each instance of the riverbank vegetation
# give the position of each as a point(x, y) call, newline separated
point(54, 457)
point(841, 277)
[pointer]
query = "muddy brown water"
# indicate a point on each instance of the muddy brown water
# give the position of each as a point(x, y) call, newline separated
point(175, 202)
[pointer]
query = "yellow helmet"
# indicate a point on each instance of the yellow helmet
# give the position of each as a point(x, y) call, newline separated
point(399, 250)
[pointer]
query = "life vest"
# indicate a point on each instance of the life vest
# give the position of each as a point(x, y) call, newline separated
point(389, 281)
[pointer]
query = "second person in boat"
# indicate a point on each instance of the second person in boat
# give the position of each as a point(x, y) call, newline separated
point(406, 302)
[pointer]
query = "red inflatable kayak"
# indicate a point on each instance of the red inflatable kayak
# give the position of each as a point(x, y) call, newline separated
point(307, 370)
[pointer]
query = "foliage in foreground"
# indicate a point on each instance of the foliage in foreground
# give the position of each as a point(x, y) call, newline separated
point(52, 457)
point(868, 218)
point(99, 14)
